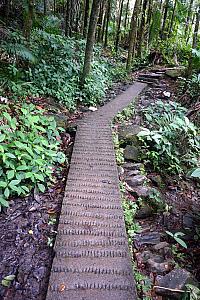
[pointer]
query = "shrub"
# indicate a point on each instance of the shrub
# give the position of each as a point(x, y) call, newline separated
point(29, 150)
point(171, 140)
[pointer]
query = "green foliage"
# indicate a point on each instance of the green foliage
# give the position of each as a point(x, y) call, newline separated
point(52, 67)
point(176, 237)
point(171, 142)
point(29, 150)
point(126, 113)
point(119, 152)
point(130, 209)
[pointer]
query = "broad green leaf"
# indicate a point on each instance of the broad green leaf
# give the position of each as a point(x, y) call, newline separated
point(7, 192)
point(10, 174)
point(181, 242)
point(3, 184)
point(196, 173)
point(41, 187)
point(4, 202)
point(14, 182)
point(2, 137)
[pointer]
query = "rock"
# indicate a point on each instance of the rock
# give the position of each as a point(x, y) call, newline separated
point(144, 256)
point(158, 267)
point(132, 166)
point(175, 280)
point(156, 179)
point(133, 173)
point(175, 72)
point(131, 153)
point(137, 180)
point(61, 120)
point(188, 221)
point(144, 212)
point(160, 246)
point(120, 170)
point(151, 238)
point(129, 133)
point(163, 248)
point(141, 191)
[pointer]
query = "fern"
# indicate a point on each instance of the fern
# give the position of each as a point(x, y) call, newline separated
point(18, 51)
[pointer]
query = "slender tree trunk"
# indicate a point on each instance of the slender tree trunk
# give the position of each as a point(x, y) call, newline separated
point(118, 27)
point(148, 24)
point(126, 16)
point(100, 21)
point(196, 29)
point(188, 17)
point(162, 34)
point(195, 39)
point(108, 13)
point(54, 6)
point(190, 29)
point(45, 6)
point(28, 19)
point(172, 19)
point(104, 24)
point(68, 18)
point(142, 28)
point(90, 39)
point(86, 16)
point(132, 34)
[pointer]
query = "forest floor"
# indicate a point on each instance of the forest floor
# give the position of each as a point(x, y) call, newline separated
point(28, 227)
point(155, 252)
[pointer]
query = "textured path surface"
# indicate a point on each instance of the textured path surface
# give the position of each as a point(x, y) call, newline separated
point(92, 259)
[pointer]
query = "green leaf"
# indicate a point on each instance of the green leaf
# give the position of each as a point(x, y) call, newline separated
point(39, 176)
point(7, 116)
point(10, 174)
point(4, 202)
point(10, 155)
point(3, 184)
point(22, 168)
point(41, 187)
point(10, 277)
point(2, 137)
point(7, 193)
point(14, 182)
point(196, 173)
point(181, 242)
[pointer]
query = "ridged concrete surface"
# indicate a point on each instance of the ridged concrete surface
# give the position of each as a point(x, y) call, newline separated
point(92, 259)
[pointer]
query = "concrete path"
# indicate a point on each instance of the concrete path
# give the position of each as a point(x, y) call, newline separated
point(92, 259)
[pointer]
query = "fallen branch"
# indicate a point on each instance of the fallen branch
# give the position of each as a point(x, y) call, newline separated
point(168, 289)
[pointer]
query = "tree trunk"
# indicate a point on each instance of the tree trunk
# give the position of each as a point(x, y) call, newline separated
point(45, 6)
point(68, 18)
point(132, 34)
point(162, 34)
point(90, 39)
point(195, 39)
point(118, 27)
point(196, 29)
point(28, 19)
point(172, 19)
point(86, 16)
point(104, 24)
point(142, 28)
point(100, 21)
point(126, 16)
point(108, 13)
point(188, 17)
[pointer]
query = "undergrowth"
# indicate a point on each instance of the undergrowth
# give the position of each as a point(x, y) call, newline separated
point(29, 150)
point(50, 65)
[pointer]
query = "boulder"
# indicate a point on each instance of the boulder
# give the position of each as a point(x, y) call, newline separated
point(61, 120)
point(145, 211)
point(159, 268)
point(132, 166)
point(151, 238)
point(175, 280)
point(175, 72)
point(136, 180)
point(141, 191)
point(131, 153)
point(128, 133)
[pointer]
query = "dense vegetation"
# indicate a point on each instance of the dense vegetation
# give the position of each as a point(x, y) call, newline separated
point(71, 51)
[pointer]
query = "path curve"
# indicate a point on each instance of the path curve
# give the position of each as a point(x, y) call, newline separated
point(92, 259)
